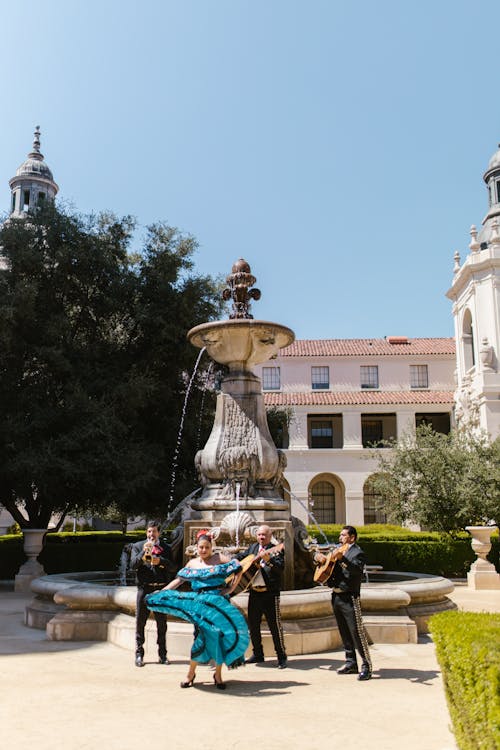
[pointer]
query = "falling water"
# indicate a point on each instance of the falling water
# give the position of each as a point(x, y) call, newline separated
point(175, 457)
point(310, 514)
point(184, 504)
point(202, 405)
point(237, 498)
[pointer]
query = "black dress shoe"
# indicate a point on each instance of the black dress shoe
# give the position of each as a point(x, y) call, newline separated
point(163, 660)
point(254, 660)
point(139, 661)
point(348, 669)
point(365, 674)
point(282, 663)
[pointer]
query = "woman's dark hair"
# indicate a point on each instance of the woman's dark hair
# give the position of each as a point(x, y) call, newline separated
point(206, 535)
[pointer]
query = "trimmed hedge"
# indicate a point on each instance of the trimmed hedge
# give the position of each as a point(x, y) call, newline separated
point(468, 651)
point(418, 551)
point(391, 547)
point(68, 552)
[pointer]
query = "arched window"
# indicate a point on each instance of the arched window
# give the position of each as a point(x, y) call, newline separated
point(323, 502)
point(468, 340)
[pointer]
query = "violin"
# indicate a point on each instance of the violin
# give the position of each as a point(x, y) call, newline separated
point(325, 569)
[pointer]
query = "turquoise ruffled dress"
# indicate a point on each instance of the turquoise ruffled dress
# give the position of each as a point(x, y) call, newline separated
point(221, 631)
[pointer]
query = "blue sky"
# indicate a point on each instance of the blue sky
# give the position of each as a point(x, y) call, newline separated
point(338, 146)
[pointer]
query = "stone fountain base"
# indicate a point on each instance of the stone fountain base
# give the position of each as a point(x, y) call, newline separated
point(88, 606)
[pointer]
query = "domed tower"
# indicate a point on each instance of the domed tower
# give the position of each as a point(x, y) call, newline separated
point(475, 293)
point(33, 182)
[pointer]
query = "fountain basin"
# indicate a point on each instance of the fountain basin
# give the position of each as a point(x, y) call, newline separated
point(241, 344)
point(91, 606)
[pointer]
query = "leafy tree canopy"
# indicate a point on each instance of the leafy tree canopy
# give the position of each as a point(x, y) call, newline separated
point(442, 482)
point(94, 363)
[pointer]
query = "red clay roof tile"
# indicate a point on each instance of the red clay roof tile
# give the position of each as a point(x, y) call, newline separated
point(393, 345)
point(353, 398)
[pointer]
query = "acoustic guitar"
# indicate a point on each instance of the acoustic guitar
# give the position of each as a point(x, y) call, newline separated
point(325, 570)
point(249, 570)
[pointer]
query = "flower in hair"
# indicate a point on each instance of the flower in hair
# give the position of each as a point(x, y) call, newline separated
point(203, 532)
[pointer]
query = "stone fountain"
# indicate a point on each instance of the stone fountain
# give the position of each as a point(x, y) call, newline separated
point(240, 472)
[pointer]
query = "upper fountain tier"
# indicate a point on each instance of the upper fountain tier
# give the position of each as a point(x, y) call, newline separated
point(241, 342)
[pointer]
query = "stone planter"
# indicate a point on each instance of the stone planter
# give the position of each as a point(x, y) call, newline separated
point(32, 545)
point(482, 574)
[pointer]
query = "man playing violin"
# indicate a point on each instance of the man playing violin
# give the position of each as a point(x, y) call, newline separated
point(264, 596)
point(345, 582)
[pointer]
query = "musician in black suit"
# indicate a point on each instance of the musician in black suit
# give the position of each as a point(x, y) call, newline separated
point(151, 560)
point(345, 582)
point(264, 596)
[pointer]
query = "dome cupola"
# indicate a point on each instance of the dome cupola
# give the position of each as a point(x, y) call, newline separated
point(33, 182)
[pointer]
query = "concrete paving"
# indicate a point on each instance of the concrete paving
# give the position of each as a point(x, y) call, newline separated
point(90, 695)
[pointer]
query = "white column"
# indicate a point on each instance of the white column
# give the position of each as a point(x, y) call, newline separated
point(351, 425)
point(298, 430)
point(354, 509)
point(405, 423)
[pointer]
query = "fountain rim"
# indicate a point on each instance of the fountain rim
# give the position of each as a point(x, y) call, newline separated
point(239, 323)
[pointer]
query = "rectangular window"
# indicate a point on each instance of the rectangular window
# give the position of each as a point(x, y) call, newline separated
point(320, 378)
point(325, 431)
point(419, 377)
point(498, 191)
point(271, 380)
point(369, 376)
point(40, 199)
point(372, 432)
point(13, 201)
point(321, 434)
point(26, 202)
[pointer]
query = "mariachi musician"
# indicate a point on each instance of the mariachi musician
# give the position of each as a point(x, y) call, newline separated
point(343, 568)
point(264, 595)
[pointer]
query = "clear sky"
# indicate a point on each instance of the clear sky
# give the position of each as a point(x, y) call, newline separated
point(338, 146)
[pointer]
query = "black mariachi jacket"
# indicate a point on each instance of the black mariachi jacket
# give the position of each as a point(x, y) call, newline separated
point(272, 570)
point(147, 574)
point(348, 571)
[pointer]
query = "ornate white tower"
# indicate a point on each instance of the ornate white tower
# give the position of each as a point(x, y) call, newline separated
point(33, 182)
point(475, 293)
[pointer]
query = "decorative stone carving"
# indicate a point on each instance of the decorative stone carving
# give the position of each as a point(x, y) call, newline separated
point(487, 354)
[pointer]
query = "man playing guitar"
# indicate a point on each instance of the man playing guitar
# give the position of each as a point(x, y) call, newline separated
point(348, 561)
point(264, 595)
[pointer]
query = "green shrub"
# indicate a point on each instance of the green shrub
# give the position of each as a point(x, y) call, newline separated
point(431, 552)
point(68, 552)
point(468, 651)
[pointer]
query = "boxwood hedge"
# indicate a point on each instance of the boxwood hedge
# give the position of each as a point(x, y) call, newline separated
point(468, 651)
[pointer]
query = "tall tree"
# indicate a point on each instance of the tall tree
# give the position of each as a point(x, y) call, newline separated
point(442, 482)
point(93, 362)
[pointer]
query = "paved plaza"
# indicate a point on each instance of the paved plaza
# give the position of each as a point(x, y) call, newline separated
point(90, 695)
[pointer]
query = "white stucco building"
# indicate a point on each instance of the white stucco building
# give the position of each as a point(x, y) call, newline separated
point(347, 394)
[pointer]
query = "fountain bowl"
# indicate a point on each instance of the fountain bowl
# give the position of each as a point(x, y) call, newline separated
point(241, 343)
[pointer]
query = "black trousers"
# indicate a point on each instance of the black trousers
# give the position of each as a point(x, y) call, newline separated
point(267, 604)
point(141, 616)
point(347, 611)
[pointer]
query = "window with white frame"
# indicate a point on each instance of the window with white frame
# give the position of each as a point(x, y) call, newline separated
point(320, 378)
point(271, 380)
point(369, 376)
point(419, 376)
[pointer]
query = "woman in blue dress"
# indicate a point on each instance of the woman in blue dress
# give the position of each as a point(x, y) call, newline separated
point(221, 632)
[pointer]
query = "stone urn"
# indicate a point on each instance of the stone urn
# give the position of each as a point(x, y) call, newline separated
point(482, 574)
point(32, 546)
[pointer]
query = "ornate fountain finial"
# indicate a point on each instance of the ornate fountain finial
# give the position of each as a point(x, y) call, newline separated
point(238, 282)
